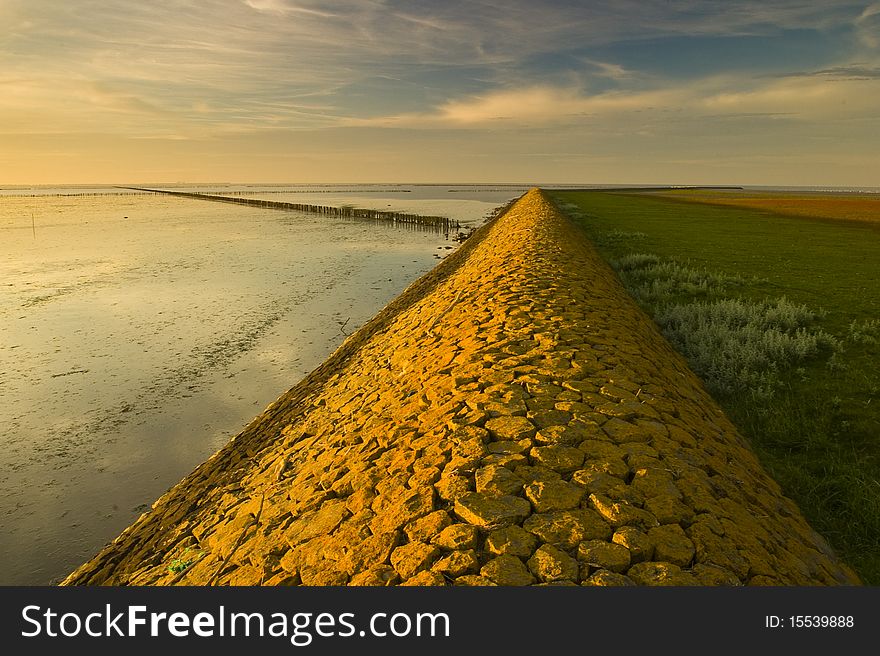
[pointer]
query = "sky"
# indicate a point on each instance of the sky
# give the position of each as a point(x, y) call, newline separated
point(477, 91)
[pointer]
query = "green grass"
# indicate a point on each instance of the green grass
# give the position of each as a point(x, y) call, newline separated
point(780, 316)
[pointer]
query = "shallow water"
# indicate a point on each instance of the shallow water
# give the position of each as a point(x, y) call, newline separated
point(468, 204)
point(139, 333)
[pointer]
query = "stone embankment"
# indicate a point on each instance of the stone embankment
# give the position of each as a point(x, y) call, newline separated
point(513, 419)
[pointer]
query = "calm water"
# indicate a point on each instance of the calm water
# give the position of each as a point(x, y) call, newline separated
point(467, 203)
point(138, 333)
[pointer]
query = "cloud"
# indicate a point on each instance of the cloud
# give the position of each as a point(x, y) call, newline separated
point(812, 98)
point(185, 67)
point(547, 104)
point(531, 104)
point(236, 71)
point(609, 70)
point(850, 71)
point(282, 7)
point(534, 105)
point(805, 98)
point(868, 26)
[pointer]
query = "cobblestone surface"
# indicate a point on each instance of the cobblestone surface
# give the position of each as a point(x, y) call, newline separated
point(512, 419)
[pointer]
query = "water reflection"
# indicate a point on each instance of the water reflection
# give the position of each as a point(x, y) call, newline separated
point(139, 332)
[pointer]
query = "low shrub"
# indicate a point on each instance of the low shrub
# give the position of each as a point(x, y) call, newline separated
point(735, 345)
point(739, 346)
point(864, 332)
point(653, 281)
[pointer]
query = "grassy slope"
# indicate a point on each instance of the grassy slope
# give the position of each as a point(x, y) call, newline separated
point(820, 433)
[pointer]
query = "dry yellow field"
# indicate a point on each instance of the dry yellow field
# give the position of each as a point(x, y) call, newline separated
point(863, 208)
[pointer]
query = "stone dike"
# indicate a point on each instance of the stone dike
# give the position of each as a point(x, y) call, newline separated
point(513, 418)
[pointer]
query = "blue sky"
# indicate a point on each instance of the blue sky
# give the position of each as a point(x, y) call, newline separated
point(677, 91)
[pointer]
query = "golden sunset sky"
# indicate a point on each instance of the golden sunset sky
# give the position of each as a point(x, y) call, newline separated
point(297, 91)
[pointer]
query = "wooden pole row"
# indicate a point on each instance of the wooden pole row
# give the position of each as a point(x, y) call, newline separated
point(439, 222)
point(317, 191)
point(85, 193)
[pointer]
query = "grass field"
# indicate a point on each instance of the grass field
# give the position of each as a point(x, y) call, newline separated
point(781, 318)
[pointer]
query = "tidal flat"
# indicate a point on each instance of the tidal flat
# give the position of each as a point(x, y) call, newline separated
point(138, 333)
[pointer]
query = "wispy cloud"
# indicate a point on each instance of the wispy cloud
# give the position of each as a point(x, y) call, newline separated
point(610, 70)
point(813, 98)
point(868, 25)
point(806, 98)
point(283, 7)
point(537, 105)
point(220, 69)
point(852, 71)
